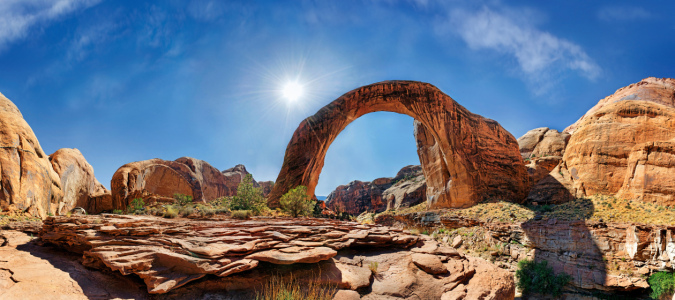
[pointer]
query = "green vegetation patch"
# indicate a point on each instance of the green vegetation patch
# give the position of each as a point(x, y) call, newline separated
point(661, 283)
point(538, 277)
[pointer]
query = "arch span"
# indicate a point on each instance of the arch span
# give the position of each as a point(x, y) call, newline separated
point(465, 157)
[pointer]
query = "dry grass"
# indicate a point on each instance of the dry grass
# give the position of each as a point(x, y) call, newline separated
point(607, 208)
point(6, 219)
point(280, 288)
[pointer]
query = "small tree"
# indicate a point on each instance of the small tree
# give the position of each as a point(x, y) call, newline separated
point(136, 205)
point(248, 197)
point(296, 202)
point(182, 199)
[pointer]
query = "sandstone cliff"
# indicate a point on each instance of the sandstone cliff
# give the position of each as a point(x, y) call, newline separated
point(80, 187)
point(622, 146)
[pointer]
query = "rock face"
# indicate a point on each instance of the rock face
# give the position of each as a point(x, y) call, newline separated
point(469, 158)
point(168, 254)
point(623, 144)
point(27, 181)
point(160, 179)
point(543, 142)
point(612, 257)
point(408, 188)
point(78, 183)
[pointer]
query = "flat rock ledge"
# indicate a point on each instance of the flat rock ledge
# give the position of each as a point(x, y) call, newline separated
point(168, 254)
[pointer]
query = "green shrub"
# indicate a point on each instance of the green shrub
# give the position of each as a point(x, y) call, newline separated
point(536, 277)
point(136, 205)
point(182, 199)
point(118, 212)
point(289, 288)
point(296, 202)
point(661, 283)
point(248, 197)
point(241, 214)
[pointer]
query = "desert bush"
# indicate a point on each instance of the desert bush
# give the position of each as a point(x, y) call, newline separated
point(171, 212)
point(241, 214)
point(248, 197)
point(661, 283)
point(279, 288)
point(182, 199)
point(118, 212)
point(136, 205)
point(373, 267)
point(296, 202)
point(538, 277)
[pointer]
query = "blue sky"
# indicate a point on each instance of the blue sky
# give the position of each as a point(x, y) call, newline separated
point(132, 80)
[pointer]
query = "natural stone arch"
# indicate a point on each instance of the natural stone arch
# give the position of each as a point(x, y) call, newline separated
point(466, 158)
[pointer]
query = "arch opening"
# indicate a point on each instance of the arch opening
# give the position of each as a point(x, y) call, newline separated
point(465, 157)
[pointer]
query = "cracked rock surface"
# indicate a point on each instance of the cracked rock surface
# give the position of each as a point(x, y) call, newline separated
point(233, 255)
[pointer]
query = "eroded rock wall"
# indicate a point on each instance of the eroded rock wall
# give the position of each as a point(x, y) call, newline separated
point(79, 185)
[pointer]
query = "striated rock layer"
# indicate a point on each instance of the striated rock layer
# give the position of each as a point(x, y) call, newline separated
point(80, 187)
point(466, 158)
point(27, 181)
point(168, 254)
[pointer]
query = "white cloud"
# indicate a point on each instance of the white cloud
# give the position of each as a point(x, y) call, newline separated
point(623, 13)
point(17, 17)
point(540, 55)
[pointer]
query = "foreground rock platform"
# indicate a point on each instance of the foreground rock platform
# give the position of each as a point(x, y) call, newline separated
point(236, 255)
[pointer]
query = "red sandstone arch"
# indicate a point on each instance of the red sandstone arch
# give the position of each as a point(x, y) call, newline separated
point(466, 158)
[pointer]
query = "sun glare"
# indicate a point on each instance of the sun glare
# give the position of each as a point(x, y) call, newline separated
point(292, 91)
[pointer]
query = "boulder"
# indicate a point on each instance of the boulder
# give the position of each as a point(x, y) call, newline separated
point(480, 156)
point(80, 187)
point(28, 182)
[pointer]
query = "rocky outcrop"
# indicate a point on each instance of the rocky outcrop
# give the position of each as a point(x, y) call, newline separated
point(168, 254)
point(630, 123)
point(406, 189)
point(159, 180)
point(80, 187)
point(358, 196)
point(477, 154)
point(27, 181)
point(656, 90)
point(235, 174)
point(611, 257)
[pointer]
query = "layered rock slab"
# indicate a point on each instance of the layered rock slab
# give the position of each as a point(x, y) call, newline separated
point(168, 254)
point(477, 158)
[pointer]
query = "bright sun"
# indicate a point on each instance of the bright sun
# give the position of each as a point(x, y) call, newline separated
point(292, 91)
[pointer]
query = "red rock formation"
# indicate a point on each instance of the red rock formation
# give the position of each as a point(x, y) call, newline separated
point(78, 183)
point(159, 180)
point(408, 189)
point(27, 181)
point(480, 158)
point(657, 90)
point(168, 254)
point(597, 157)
